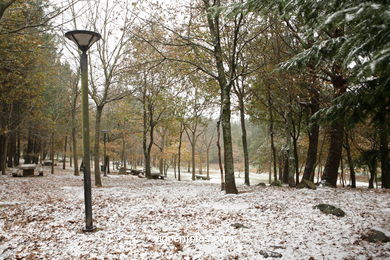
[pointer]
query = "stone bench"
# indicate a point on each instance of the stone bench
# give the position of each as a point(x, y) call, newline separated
point(202, 177)
point(25, 170)
point(157, 175)
point(136, 172)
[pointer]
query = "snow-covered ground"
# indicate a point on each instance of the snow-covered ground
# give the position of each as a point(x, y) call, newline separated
point(166, 219)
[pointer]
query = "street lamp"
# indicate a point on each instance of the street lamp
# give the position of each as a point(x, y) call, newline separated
point(105, 152)
point(84, 40)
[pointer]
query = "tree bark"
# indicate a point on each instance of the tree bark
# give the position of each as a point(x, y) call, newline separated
point(384, 157)
point(70, 151)
point(193, 156)
point(334, 154)
point(75, 158)
point(4, 6)
point(314, 132)
point(98, 180)
point(244, 140)
point(350, 162)
point(64, 156)
point(5, 138)
point(271, 132)
point(336, 136)
point(208, 162)
point(29, 150)
point(52, 152)
point(290, 149)
point(11, 149)
point(225, 88)
point(372, 164)
point(17, 152)
point(220, 156)
point(179, 151)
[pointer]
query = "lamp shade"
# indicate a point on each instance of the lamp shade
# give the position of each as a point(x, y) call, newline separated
point(83, 39)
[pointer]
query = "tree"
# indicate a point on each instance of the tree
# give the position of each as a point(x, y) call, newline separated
point(110, 87)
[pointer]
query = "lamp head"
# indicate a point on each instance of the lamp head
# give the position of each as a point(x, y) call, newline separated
point(84, 39)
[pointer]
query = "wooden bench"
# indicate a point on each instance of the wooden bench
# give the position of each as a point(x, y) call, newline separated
point(202, 177)
point(157, 175)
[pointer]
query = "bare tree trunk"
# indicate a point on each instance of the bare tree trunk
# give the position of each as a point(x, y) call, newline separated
point(372, 164)
point(314, 131)
point(290, 149)
point(64, 155)
point(342, 171)
point(244, 140)
point(98, 180)
point(179, 151)
point(17, 152)
point(193, 156)
point(11, 149)
point(52, 153)
point(75, 159)
point(271, 131)
point(336, 138)
point(5, 138)
point(174, 166)
point(350, 162)
point(208, 162)
point(70, 156)
point(384, 157)
point(334, 154)
point(225, 88)
point(220, 157)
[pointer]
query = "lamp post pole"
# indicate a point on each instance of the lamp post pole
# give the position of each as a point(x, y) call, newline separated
point(84, 40)
point(87, 168)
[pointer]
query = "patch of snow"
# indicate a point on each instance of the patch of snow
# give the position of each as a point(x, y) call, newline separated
point(155, 219)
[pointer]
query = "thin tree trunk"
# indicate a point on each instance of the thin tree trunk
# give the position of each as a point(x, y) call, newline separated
point(220, 157)
point(244, 140)
point(271, 131)
point(193, 156)
point(179, 151)
point(4, 153)
point(314, 132)
point(17, 152)
point(64, 155)
point(98, 180)
point(70, 156)
point(350, 162)
point(75, 158)
point(174, 166)
point(372, 168)
point(342, 171)
point(52, 152)
point(384, 157)
point(11, 149)
point(290, 150)
point(208, 162)
point(296, 159)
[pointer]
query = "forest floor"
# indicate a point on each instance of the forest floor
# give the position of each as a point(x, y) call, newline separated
point(42, 217)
